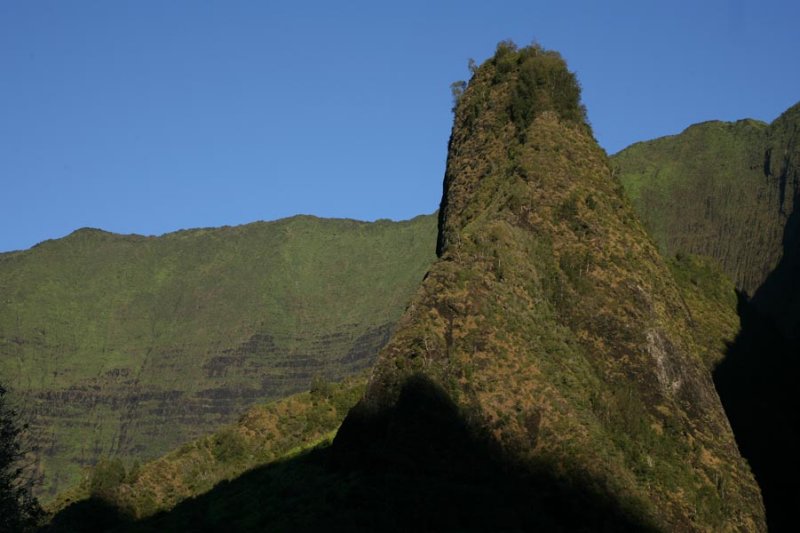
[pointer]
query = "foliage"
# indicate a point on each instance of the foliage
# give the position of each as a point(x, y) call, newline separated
point(19, 510)
point(710, 297)
point(457, 90)
point(544, 83)
point(264, 435)
point(106, 476)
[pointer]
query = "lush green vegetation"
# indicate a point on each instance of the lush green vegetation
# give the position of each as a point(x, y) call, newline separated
point(730, 190)
point(127, 346)
point(267, 433)
point(710, 297)
point(723, 190)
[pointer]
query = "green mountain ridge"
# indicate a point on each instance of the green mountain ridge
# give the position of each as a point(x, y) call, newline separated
point(719, 189)
point(126, 346)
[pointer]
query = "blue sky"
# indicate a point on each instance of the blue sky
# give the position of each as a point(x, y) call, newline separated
point(151, 116)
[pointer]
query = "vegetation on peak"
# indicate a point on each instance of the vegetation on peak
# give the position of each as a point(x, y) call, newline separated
point(540, 81)
point(494, 113)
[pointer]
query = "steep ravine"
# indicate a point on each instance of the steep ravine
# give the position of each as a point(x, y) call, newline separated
point(731, 191)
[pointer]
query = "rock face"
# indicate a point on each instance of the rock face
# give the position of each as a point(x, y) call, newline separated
point(126, 346)
point(553, 327)
point(723, 190)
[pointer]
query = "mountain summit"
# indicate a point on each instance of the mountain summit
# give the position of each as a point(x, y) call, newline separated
point(551, 330)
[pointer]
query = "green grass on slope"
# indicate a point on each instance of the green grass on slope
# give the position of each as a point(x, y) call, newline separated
point(126, 346)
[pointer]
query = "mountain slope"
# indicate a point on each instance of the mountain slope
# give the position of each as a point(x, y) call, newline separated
point(551, 321)
point(265, 434)
point(127, 346)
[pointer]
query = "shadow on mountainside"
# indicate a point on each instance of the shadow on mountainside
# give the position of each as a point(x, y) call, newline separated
point(779, 296)
point(413, 467)
point(757, 383)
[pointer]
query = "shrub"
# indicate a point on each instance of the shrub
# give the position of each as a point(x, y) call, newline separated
point(106, 476)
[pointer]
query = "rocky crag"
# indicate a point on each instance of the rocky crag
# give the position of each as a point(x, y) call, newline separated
point(553, 325)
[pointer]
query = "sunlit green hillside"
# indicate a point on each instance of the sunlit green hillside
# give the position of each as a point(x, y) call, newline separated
point(126, 346)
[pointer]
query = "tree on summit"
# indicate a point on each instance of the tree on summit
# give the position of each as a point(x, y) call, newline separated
point(457, 89)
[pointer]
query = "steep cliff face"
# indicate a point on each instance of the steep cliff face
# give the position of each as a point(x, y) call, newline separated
point(724, 190)
point(126, 346)
point(552, 323)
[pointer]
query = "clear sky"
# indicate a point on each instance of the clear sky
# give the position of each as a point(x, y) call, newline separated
point(151, 116)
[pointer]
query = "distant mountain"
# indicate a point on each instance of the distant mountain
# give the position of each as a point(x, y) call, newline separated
point(723, 190)
point(127, 346)
point(732, 191)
